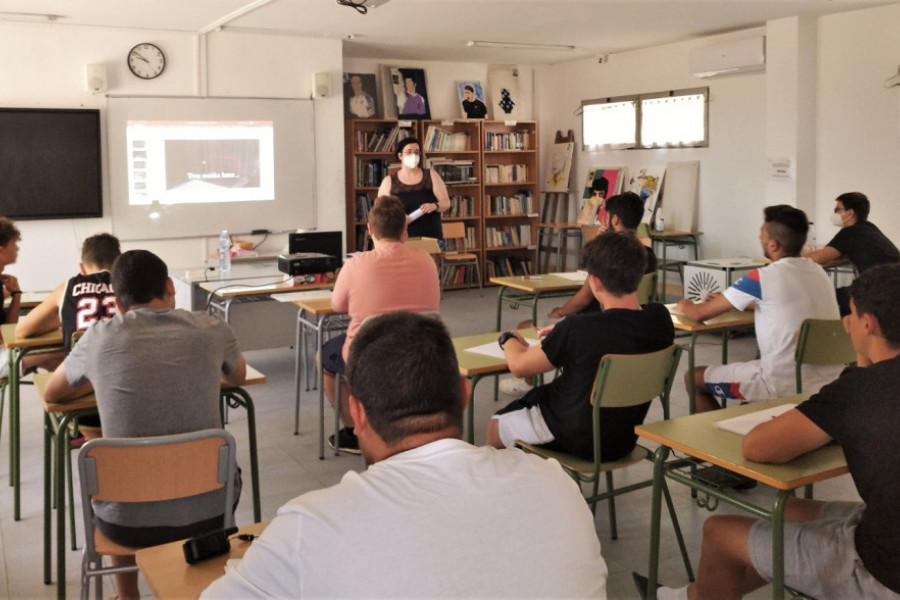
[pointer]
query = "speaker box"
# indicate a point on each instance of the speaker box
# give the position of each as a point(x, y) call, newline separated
point(321, 85)
point(95, 79)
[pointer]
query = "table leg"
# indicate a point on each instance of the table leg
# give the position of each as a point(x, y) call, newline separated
point(659, 464)
point(665, 270)
point(321, 379)
point(499, 307)
point(240, 397)
point(15, 385)
point(470, 410)
point(300, 357)
point(48, 458)
point(778, 543)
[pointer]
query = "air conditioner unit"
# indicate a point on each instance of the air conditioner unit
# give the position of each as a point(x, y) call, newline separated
point(729, 58)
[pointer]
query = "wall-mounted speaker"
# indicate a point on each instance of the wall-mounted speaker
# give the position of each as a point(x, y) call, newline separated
point(95, 79)
point(321, 85)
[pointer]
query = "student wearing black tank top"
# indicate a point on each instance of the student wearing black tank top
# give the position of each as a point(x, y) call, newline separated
point(418, 189)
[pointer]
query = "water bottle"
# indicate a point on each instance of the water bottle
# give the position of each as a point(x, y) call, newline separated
point(224, 252)
point(660, 224)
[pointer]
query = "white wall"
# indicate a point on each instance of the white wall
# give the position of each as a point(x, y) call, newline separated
point(44, 67)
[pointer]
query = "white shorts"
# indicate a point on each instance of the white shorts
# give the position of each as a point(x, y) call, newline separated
point(737, 381)
point(526, 424)
point(4, 362)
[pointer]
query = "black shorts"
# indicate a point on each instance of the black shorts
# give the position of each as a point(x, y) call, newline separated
point(332, 355)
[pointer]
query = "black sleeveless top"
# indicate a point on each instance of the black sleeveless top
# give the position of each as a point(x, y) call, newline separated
point(87, 298)
point(414, 196)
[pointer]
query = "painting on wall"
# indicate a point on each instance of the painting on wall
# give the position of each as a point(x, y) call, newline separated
point(505, 98)
point(360, 96)
point(560, 166)
point(646, 183)
point(601, 183)
point(471, 99)
point(410, 93)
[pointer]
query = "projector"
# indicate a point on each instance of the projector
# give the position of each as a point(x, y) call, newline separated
point(307, 263)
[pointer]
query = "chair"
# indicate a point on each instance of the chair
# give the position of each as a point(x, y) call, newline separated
point(623, 380)
point(822, 342)
point(646, 288)
point(454, 256)
point(149, 470)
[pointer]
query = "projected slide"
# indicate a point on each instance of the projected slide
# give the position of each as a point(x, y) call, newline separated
point(195, 162)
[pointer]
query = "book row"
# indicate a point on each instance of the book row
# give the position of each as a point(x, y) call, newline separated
point(507, 235)
point(505, 174)
point(517, 204)
point(517, 140)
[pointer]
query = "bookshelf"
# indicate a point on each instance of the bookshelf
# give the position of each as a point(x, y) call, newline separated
point(491, 171)
point(453, 150)
point(510, 197)
point(370, 147)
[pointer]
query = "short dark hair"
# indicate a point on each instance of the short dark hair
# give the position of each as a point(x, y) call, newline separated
point(388, 218)
point(402, 368)
point(469, 87)
point(875, 293)
point(406, 142)
point(628, 207)
point(138, 277)
point(788, 226)
point(8, 231)
point(100, 250)
point(618, 260)
point(600, 184)
point(857, 202)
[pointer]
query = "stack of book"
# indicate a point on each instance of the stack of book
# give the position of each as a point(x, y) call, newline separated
point(453, 171)
point(380, 141)
point(517, 140)
point(505, 266)
point(518, 204)
point(461, 206)
point(507, 235)
point(438, 139)
point(505, 174)
point(369, 173)
point(459, 275)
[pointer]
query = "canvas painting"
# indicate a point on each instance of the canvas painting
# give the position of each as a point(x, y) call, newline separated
point(505, 99)
point(471, 99)
point(360, 96)
point(410, 93)
point(601, 184)
point(560, 166)
point(646, 183)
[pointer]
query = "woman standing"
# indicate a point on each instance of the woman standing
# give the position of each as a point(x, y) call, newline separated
point(418, 189)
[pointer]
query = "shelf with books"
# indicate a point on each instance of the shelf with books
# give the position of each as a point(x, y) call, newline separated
point(370, 148)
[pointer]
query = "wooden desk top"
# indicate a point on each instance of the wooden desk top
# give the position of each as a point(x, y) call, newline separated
point(259, 285)
point(316, 306)
point(471, 363)
point(674, 234)
point(254, 377)
point(537, 283)
point(731, 318)
point(8, 331)
point(697, 436)
point(28, 299)
point(169, 576)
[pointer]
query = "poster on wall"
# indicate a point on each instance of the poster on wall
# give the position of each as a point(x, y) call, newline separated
point(560, 166)
point(471, 99)
point(505, 98)
point(646, 183)
point(360, 96)
point(410, 93)
point(601, 183)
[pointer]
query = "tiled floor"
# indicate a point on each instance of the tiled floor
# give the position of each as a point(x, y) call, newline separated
point(290, 466)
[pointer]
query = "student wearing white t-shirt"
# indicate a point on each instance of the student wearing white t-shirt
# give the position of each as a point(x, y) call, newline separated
point(782, 294)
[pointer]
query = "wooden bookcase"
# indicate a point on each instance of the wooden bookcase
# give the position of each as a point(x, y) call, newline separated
point(510, 197)
point(491, 169)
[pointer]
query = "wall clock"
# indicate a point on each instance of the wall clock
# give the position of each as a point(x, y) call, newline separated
point(146, 61)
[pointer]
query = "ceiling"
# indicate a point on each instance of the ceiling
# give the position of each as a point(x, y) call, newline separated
point(439, 29)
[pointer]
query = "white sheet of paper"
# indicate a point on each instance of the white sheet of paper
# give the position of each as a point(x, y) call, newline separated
point(307, 295)
point(578, 276)
point(743, 424)
point(494, 350)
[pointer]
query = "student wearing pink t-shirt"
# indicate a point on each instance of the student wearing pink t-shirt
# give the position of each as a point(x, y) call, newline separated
point(389, 278)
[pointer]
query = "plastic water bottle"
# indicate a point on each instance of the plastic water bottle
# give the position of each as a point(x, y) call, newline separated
point(660, 224)
point(224, 252)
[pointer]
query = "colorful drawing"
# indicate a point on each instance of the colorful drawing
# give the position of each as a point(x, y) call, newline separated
point(646, 183)
point(503, 85)
point(471, 98)
point(410, 93)
point(560, 165)
point(360, 96)
point(601, 184)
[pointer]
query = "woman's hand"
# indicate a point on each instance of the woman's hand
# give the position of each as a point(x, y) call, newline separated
point(428, 207)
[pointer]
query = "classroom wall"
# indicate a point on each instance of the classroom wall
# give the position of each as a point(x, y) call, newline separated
point(821, 102)
point(44, 67)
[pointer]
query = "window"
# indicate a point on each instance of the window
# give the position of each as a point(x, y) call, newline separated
point(662, 120)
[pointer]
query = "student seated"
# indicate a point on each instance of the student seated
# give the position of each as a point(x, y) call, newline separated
point(858, 240)
point(558, 414)
point(9, 285)
point(432, 516)
point(155, 370)
point(783, 294)
point(831, 549)
point(78, 302)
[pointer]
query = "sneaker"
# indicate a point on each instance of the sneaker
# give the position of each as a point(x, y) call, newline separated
point(347, 441)
point(515, 387)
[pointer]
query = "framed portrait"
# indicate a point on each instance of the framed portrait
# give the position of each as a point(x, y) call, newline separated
point(360, 96)
point(410, 93)
point(471, 99)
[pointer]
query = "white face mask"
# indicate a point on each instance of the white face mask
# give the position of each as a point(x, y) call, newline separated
point(410, 161)
point(837, 220)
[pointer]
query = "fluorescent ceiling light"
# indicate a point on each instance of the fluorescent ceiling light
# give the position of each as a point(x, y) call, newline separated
point(517, 46)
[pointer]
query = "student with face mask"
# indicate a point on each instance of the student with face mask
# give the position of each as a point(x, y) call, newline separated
point(422, 191)
point(858, 240)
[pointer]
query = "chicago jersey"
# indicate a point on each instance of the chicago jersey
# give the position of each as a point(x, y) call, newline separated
point(87, 298)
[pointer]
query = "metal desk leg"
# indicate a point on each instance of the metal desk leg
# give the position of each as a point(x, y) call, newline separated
point(15, 468)
point(238, 397)
point(300, 352)
point(321, 379)
point(499, 307)
point(470, 410)
point(659, 465)
point(665, 270)
point(48, 535)
point(778, 543)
